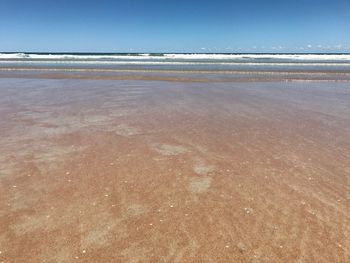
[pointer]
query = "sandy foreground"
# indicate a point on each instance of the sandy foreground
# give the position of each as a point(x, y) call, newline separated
point(155, 171)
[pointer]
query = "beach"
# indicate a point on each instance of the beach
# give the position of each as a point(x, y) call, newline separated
point(126, 165)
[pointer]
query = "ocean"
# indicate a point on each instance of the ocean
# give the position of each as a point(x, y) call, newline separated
point(179, 61)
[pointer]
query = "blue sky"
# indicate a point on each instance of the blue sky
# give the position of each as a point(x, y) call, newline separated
point(175, 26)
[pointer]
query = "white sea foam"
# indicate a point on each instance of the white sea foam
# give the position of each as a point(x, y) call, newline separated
point(261, 56)
point(87, 62)
point(195, 57)
point(70, 56)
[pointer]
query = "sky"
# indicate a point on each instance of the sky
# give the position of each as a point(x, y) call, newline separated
point(175, 26)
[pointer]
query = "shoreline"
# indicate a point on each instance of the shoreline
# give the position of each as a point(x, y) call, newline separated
point(176, 75)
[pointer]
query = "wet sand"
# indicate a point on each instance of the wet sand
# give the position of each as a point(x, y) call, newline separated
point(155, 171)
point(174, 75)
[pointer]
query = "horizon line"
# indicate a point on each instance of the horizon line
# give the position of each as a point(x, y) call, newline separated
point(89, 52)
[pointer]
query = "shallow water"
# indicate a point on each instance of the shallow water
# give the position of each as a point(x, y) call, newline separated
point(127, 170)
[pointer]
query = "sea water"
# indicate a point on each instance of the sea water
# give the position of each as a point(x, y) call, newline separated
point(179, 61)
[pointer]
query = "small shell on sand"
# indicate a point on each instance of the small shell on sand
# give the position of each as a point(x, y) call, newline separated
point(248, 210)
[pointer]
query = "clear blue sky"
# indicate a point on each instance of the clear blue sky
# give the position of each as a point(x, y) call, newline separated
point(175, 25)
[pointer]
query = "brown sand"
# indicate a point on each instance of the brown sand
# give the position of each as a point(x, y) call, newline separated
point(150, 171)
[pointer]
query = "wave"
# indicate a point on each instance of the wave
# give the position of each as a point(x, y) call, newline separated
point(176, 56)
point(69, 56)
point(261, 56)
point(87, 62)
